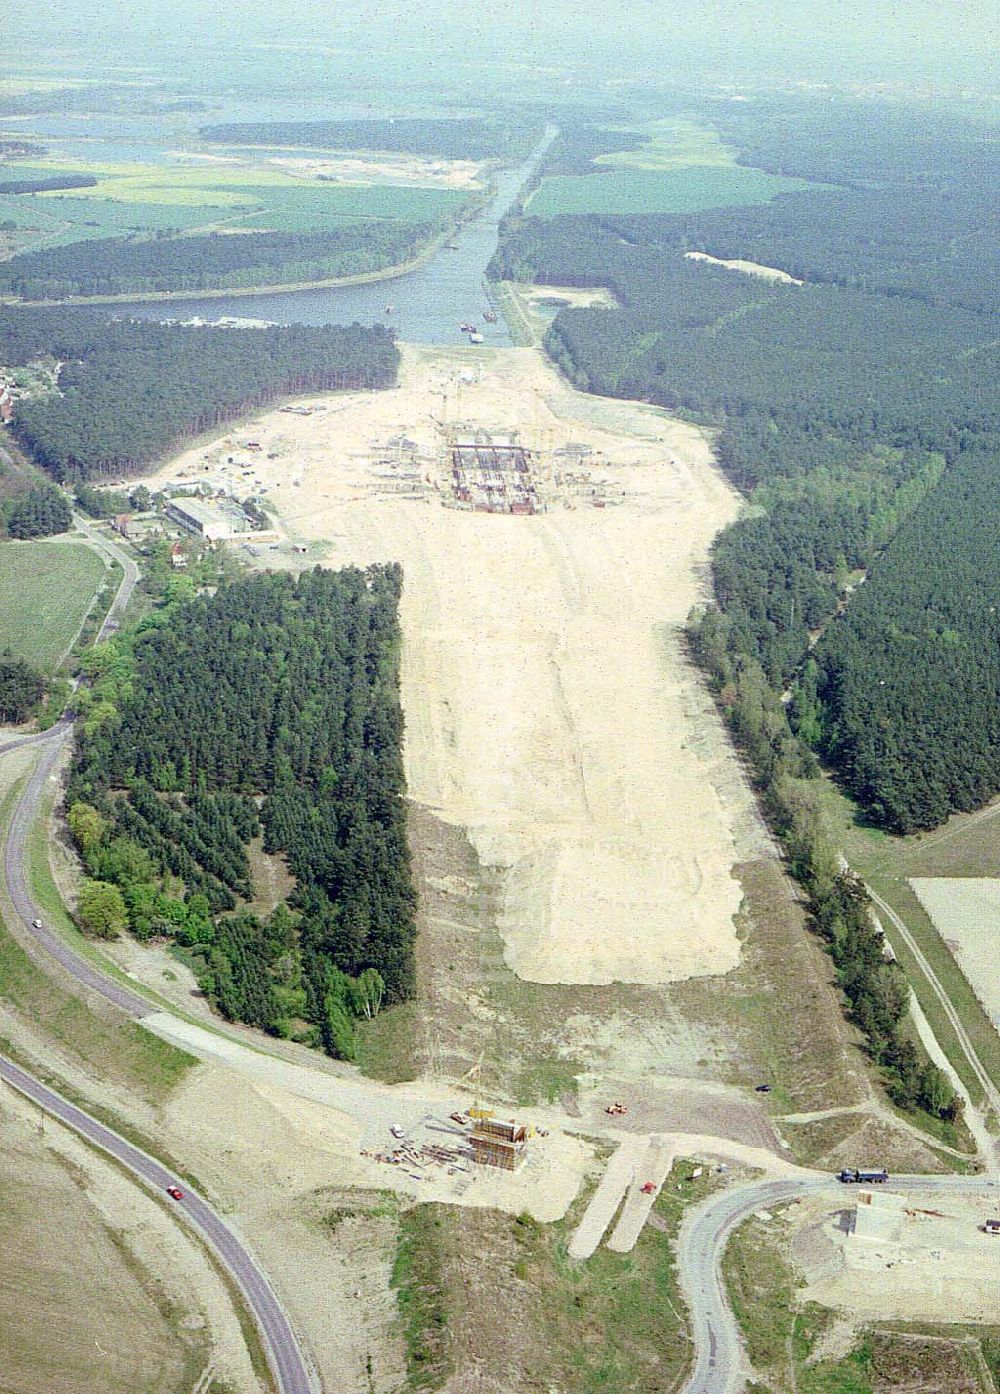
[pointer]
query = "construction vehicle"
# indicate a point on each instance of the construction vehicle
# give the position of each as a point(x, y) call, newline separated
point(865, 1176)
point(991, 1227)
point(648, 1188)
point(617, 1109)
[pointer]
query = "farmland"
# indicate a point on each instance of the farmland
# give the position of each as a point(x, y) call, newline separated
point(673, 143)
point(48, 588)
point(219, 197)
point(683, 189)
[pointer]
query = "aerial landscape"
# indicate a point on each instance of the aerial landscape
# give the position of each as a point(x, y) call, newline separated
point(499, 699)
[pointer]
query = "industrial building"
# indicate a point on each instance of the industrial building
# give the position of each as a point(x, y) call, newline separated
point(220, 520)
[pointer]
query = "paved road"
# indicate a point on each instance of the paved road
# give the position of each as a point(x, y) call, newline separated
point(720, 1366)
point(103, 544)
point(280, 1344)
point(283, 1352)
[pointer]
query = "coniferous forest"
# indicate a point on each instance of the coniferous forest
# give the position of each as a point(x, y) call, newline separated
point(269, 709)
point(144, 266)
point(859, 412)
point(130, 390)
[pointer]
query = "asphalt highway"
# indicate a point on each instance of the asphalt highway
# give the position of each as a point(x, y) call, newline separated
point(282, 1348)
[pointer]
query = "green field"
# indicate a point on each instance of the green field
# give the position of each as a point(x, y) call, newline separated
point(47, 588)
point(673, 143)
point(218, 197)
point(684, 189)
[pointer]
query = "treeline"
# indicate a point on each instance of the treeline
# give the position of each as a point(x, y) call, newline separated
point(577, 146)
point(130, 390)
point(841, 404)
point(22, 688)
point(874, 985)
point(20, 150)
point(270, 708)
point(908, 682)
point(40, 512)
point(43, 183)
point(449, 139)
point(135, 266)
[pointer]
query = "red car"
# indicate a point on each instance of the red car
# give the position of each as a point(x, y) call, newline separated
point(176, 1192)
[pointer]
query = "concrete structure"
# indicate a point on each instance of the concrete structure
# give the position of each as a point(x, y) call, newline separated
point(879, 1215)
point(497, 1143)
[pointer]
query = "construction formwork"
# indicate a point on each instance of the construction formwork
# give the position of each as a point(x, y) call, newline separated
point(498, 1144)
point(493, 473)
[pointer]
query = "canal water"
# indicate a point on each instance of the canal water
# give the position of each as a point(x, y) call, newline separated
point(427, 305)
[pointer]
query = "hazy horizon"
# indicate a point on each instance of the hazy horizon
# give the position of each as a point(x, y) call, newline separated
point(754, 40)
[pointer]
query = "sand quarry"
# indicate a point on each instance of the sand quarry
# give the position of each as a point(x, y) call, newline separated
point(549, 709)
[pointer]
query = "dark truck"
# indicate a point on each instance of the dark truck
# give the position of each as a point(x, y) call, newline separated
point(865, 1176)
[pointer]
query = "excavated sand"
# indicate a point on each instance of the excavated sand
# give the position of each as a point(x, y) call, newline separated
point(549, 710)
point(749, 268)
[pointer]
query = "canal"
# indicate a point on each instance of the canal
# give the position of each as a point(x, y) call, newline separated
point(428, 304)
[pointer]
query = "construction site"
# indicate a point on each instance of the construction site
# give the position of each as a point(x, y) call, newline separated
point(457, 1145)
point(493, 473)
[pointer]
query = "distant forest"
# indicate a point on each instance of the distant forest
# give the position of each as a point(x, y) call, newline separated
point(130, 390)
point(454, 139)
point(134, 266)
point(41, 183)
point(856, 412)
point(268, 710)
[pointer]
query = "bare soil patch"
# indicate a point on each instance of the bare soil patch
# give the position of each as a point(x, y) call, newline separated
point(749, 268)
point(933, 1263)
point(389, 169)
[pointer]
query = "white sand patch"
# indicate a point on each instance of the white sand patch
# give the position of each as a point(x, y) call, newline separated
point(579, 297)
point(549, 709)
point(966, 913)
point(749, 268)
point(404, 169)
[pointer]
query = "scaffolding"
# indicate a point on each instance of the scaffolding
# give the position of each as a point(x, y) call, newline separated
point(496, 1143)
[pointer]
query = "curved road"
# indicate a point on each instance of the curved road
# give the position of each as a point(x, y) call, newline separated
point(279, 1341)
point(719, 1366)
point(284, 1355)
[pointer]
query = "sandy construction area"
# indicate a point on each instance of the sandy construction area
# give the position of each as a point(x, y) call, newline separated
point(925, 1260)
point(388, 169)
point(966, 913)
point(749, 268)
point(549, 710)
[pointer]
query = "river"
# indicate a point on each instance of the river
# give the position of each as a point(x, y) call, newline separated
point(428, 304)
